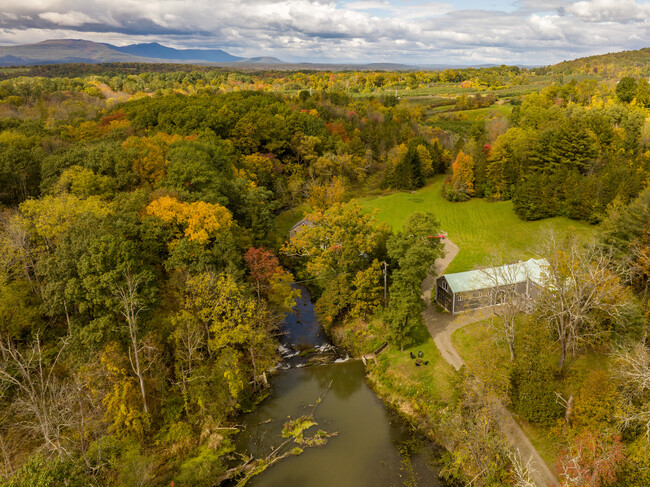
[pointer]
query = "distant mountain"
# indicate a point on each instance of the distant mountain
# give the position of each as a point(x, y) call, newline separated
point(262, 60)
point(60, 51)
point(158, 51)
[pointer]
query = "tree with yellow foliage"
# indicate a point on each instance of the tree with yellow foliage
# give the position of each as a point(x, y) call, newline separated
point(199, 221)
point(148, 155)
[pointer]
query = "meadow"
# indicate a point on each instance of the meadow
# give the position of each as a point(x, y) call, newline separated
point(483, 230)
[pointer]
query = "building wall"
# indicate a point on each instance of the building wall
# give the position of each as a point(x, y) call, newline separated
point(443, 297)
point(533, 290)
point(294, 231)
point(479, 298)
point(476, 299)
point(472, 300)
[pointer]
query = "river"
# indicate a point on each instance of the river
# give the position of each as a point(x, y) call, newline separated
point(372, 446)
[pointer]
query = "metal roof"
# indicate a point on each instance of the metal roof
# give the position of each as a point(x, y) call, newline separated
point(496, 276)
point(302, 222)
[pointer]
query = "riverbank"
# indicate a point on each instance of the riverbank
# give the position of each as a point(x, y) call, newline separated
point(366, 443)
point(417, 393)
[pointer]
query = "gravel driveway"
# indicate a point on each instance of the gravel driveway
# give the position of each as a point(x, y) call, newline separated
point(441, 326)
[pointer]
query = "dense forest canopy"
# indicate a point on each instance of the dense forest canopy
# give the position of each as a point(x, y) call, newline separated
point(143, 272)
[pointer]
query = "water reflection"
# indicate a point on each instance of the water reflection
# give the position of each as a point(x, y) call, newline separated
point(344, 382)
point(365, 451)
point(301, 327)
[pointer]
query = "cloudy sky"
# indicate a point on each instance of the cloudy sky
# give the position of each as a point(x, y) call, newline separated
point(410, 31)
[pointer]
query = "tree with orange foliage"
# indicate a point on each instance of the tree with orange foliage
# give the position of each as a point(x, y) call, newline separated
point(592, 459)
point(270, 279)
point(460, 187)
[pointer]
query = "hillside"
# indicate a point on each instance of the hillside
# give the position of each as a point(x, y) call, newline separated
point(63, 51)
point(633, 63)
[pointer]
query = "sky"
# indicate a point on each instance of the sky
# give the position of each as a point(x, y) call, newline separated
point(524, 32)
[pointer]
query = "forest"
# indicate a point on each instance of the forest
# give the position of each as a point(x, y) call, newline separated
point(145, 265)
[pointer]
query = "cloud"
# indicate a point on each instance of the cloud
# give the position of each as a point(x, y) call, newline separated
point(328, 30)
point(72, 19)
point(619, 11)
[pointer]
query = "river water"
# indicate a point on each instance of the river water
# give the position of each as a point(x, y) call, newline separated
point(372, 446)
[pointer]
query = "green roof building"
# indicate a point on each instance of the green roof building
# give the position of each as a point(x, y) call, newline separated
point(486, 287)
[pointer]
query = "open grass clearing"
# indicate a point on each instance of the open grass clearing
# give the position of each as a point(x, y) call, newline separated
point(483, 230)
point(401, 378)
point(287, 219)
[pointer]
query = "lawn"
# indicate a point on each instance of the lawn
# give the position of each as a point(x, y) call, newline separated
point(483, 230)
point(287, 219)
point(427, 385)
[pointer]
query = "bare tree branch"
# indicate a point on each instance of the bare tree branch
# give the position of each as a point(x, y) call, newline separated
point(131, 307)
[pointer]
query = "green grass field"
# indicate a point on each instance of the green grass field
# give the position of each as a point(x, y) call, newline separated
point(462, 121)
point(289, 218)
point(483, 230)
point(428, 385)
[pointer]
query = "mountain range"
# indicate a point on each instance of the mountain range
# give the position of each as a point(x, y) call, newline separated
point(59, 51)
point(63, 51)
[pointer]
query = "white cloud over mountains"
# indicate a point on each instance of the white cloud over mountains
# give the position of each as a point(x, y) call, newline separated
point(522, 31)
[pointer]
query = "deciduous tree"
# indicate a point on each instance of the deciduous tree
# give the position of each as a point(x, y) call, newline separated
point(581, 297)
point(461, 185)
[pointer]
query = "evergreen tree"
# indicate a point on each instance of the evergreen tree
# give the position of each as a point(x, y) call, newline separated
point(414, 251)
point(407, 173)
point(533, 375)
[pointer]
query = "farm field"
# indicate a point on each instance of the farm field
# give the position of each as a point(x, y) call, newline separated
point(462, 121)
point(483, 230)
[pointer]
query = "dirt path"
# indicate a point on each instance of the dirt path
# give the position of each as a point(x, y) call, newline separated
point(441, 326)
point(451, 251)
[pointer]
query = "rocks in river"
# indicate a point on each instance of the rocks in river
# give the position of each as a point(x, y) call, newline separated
point(300, 355)
point(280, 366)
point(327, 347)
point(287, 351)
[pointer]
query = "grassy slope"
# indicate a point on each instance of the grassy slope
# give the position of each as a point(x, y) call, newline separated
point(481, 229)
point(431, 382)
point(468, 342)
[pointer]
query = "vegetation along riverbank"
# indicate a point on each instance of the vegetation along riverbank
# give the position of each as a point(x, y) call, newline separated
point(148, 262)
